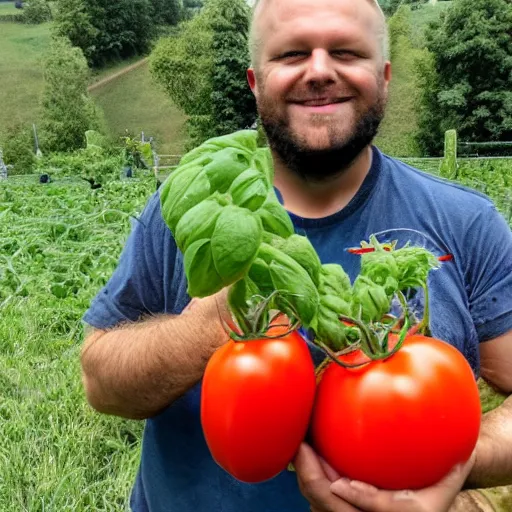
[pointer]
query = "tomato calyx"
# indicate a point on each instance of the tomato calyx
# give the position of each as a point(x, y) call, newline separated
point(375, 346)
point(259, 321)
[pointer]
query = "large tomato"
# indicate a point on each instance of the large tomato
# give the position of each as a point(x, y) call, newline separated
point(256, 403)
point(400, 423)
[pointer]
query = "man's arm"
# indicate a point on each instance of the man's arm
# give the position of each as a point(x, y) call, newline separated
point(136, 370)
point(493, 466)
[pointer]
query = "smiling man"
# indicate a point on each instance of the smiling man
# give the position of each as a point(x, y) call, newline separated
point(320, 75)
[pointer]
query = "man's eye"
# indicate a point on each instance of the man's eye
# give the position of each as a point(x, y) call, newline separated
point(291, 55)
point(345, 54)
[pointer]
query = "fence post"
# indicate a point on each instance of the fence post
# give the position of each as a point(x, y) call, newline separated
point(448, 167)
point(3, 167)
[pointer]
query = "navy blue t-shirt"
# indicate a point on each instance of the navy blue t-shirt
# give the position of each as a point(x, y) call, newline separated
point(470, 301)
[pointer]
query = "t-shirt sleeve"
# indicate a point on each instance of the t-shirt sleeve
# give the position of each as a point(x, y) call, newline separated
point(489, 275)
point(137, 286)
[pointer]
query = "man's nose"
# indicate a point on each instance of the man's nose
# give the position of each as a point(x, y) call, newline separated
point(320, 67)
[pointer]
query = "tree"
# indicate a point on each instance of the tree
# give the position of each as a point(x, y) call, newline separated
point(204, 69)
point(106, 30)
point(467, 84)
point(68, 112)
point(233, 104)
point(168, 12)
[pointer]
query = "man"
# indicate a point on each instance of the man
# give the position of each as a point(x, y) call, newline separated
point(320, 75)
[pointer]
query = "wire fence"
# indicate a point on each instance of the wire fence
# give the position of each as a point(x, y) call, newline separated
point(491, 176)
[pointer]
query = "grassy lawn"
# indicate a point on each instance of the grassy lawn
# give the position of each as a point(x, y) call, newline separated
point(130, 102)
point(8, 8)
point(22, 48)
point(135, 103)
point(100, 74)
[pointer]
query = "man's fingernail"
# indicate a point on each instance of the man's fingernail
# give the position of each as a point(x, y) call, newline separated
point(363, 487)
point(403, 496)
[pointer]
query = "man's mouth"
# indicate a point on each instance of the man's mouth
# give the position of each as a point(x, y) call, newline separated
point(321, 102)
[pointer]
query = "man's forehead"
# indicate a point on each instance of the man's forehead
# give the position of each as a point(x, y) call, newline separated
point(257, 4)
point(272, 13)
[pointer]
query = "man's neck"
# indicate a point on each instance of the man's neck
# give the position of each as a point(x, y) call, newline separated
point(316, 200)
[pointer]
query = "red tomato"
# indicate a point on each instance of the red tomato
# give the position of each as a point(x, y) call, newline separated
point(256, 403)
point(401, 423)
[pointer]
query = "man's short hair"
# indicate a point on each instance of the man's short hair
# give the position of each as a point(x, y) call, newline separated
point(255, 43)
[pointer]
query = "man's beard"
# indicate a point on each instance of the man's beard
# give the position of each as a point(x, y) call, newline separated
point(320, 165)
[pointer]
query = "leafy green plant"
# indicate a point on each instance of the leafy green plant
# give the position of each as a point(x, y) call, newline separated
point(18, 150)
point(68, 112)
point(59, 244)
point(37, 11)
point(211, 85)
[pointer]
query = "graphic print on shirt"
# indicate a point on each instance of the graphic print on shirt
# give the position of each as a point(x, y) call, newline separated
point(394, 239)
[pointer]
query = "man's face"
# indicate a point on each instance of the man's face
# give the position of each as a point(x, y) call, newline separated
point(320, 81)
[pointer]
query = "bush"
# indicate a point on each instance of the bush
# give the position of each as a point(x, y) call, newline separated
point(12, 18)
point(37, 11)
point(18, 150)
point(88, 164)
point(68, 112)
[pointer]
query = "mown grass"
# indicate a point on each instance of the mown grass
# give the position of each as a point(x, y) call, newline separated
point(132, 102)
point(8, 8)
point(22, 48)
point(135, 103)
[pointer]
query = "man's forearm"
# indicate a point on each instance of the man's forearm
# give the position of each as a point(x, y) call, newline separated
point(136, 370)
point(493, 466)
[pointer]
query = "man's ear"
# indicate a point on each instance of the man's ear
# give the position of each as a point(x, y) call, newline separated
point(251, 78)
point(387, 75)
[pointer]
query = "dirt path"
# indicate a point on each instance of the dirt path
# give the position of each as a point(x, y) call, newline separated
point(114, 76)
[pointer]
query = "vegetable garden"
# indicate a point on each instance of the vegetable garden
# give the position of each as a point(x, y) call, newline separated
point(59, 244)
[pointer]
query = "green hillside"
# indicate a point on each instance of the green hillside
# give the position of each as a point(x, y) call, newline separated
point(133, 102)
point(22, 48)
point(397, 133)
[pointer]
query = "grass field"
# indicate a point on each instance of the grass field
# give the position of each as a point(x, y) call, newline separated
point(130, 102)
point(422, 17)
point(22, 48)
point(8, 8)
point(134, 102)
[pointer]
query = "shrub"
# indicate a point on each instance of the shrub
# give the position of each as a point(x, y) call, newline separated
point(18, 150)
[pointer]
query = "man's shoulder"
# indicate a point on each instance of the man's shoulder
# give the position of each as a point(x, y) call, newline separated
point(446, 193)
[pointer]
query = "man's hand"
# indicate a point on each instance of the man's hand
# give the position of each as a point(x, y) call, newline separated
point(327, 492)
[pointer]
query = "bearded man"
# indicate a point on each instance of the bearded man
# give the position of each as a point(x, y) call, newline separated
point(320, 74)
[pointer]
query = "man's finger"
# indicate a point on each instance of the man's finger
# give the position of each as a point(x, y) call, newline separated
point(307, 464)
point(329, 471)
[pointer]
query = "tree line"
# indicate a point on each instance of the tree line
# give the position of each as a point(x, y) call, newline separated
point(464, 70)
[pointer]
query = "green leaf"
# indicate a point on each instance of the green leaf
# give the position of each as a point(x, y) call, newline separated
point(235, 242)
point(202, 276)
